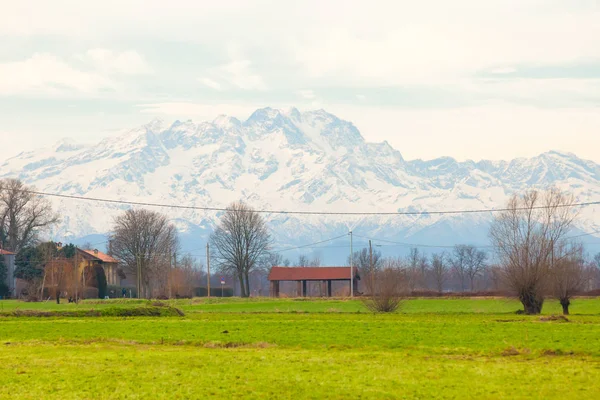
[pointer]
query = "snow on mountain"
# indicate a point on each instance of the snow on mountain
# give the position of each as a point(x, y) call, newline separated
point(289, 160)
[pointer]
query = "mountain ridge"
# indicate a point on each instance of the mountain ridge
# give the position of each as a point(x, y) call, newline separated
point(290, 160)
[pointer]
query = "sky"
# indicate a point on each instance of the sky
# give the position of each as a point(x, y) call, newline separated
point(469, 79)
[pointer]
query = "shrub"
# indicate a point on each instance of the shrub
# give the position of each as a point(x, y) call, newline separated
point(214, 292)
point(387, 288)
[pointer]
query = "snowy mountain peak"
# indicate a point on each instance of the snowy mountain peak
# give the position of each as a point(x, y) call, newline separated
point(290, 160)
point(65, 145)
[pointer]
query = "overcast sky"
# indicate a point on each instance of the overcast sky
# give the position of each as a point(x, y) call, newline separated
point(464, 78)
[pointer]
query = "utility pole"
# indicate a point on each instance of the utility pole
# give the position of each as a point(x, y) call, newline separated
point(351, 267)
point(139, 277)
point(371, 267)
point(370, 256)
point(208, 269)
point(169, 273)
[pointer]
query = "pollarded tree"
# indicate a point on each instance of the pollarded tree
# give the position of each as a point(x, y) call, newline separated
point(524, 236)
point(144, 242)
point(568, 273)
point(241, 242)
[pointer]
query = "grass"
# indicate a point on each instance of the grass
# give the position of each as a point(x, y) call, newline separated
point(263, 348)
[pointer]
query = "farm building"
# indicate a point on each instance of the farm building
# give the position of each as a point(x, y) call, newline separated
point(302, 275)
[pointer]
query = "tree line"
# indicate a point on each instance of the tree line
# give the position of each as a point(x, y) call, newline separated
point(534, 257)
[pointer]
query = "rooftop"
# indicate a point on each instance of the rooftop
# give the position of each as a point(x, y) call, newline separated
point(6, 253)
point(100, 256)
point(311, 273)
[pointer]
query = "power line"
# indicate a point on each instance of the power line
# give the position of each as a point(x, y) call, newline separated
point(453, 246)
point(264, 211)
point(312, 244)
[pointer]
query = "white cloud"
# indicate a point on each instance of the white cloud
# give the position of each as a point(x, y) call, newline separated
point(46, 73)
point(126, 63)
point(88, 73)
point(239, 74)
point(236, 74)
point(210, 83)
point(503, 70)
point(307, 94)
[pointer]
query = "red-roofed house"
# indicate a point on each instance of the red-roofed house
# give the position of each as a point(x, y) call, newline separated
point(9, 260)
point(93, 258)
point(301, 275)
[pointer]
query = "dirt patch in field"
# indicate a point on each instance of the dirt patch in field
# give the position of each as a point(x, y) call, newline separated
point(233, 345)
point(513, 351)
point(557, 318)
point(557, 352)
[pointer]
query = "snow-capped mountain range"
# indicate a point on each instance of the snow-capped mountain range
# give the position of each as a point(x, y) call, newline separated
point(290, 160)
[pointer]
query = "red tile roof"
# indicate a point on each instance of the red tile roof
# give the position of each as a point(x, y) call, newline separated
point(6, 253)
point(310, 273)
point(100, 256)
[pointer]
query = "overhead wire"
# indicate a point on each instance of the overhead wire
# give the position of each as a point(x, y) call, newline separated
point(264, 211)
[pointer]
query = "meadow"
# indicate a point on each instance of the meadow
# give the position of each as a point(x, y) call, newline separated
point(298, 348)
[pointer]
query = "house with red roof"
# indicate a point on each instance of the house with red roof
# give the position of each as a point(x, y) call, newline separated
point(89, 260)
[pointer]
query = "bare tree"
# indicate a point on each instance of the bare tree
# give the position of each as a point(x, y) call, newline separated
point(144, 242)
point(387, 287)
point(185, 276)
point(362, 260)
point(302, 261)
point(274, 260)
point(23, 215)
point(474, 263)
point(568, 273)
point(439, 270)
point(595, 271)
point(524, 237)
point(423, 271)
point(412, 268)
point(458, 261)
point(242, 242)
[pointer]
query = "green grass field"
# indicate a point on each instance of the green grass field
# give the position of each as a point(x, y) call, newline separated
point(288, 348)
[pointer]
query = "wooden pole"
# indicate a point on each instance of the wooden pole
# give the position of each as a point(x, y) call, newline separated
point(371, 264)
point(351, 267)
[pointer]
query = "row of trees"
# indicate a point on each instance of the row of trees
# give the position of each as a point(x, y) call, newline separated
point(456, 269)
point(535, 256)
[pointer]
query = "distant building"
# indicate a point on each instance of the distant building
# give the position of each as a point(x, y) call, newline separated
point(302, 275)
point(89, 259)
point(9, 261)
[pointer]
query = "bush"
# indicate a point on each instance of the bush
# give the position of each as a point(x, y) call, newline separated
point(387, 288)
point(214, 292)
